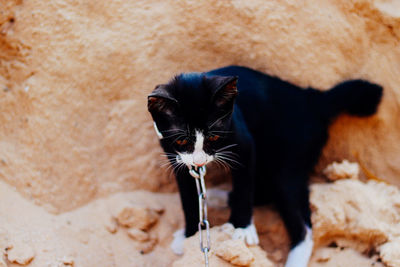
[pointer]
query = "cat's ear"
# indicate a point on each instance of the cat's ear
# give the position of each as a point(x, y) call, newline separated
point(160, 101)
point(225, 90)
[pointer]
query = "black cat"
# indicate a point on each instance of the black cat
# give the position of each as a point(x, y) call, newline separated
point(269, 132)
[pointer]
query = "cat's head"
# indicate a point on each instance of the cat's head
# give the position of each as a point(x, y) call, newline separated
point(192, 116)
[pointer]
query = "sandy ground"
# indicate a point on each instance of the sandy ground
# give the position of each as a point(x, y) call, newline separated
point(135, 229)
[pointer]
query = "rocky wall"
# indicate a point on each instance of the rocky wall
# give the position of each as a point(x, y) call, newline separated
point(74, 76)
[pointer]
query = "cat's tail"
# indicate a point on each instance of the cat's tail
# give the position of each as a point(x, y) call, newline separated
point(355, 97)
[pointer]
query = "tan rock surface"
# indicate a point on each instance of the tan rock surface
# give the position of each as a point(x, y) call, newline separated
point(140, 217)
point(20, 253)
point(2, 262)
point(74, 78)
point(79, 236)
point(235, 252)
point(336, 257)
point(138, 235)
point(365, 217)
point(342, 170)
point(224, 252)
point(390, 252)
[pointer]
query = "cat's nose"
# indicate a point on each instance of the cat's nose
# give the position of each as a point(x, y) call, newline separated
point(199, 158)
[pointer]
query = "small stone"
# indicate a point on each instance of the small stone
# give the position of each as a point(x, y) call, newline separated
point(67, 261)
point(235, 252)
point(148, 246)
point(5, 242)
point(342, 170)
point(21, 254)
point(2, 262)
point(323, 255)
point(277, 255)
point(111, 226)
point(138, 235)
point(158, 208)
point(137, 216)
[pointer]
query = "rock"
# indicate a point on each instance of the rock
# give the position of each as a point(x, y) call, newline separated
point(343, 170)
point(235, 252)
point(277, 255)
point(390, 253)
point(336, 257)
point(139, 217)
point(2, 262)
point(365, 217)
point(4, 239)
point(67, 261)
point(148, 246)
point(323, 255)
point(102, 138)
point(138, 235)
point(21, 253)
point(157, 208)
point(111, 225)
point(261, 258)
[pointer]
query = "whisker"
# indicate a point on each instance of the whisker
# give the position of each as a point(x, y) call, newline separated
point(226, 147)
point(168, 154)
point(169, 136)
point(224, 164)
point(165, 164)
point(181, 166)
point(218, 164)
point(227, 158)
point(209, 127)
point(171, 167)
point(229, 154)
point(220, 131)
point(173, 130)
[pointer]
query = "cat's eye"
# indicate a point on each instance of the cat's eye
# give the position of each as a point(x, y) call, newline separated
point(182, 142)
point(213, 137)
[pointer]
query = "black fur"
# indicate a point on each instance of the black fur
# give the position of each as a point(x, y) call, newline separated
point(279, 130)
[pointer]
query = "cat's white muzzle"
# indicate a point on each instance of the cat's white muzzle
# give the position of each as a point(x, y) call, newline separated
point(199, 158)
point(196, 159)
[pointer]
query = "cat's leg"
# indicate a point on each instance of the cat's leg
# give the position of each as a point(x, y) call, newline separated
point(293, 205)
point(241, 197)
point(189, 200)
point(300, 254)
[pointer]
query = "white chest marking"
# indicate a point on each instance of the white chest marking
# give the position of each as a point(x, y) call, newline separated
point(198, 146)
point(300, 254)
point(159, 134)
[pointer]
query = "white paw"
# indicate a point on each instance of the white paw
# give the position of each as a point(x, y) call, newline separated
point(248, 234)
point(177, 243)
point(300, 254)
